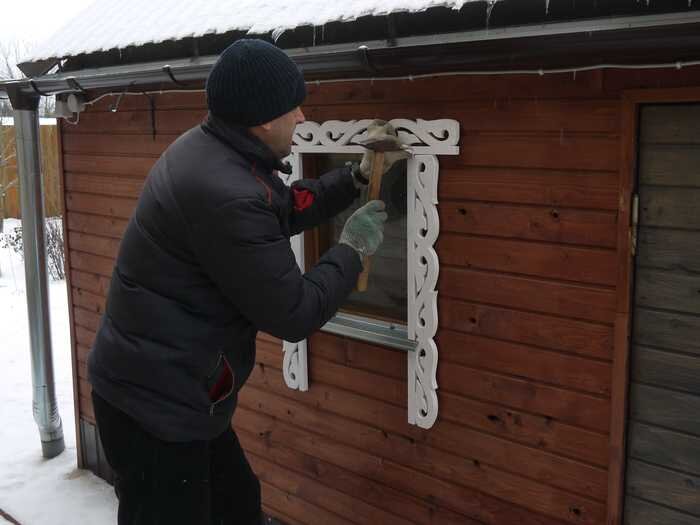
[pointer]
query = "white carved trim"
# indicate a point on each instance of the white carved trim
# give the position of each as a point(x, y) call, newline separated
point(423, 270)
point(295, 363)
point(427, 139)
point(434, 137)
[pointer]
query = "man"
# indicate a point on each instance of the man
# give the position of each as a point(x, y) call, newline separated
point(205, 263)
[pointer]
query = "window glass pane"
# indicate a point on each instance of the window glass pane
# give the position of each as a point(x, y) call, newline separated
point(386, 295)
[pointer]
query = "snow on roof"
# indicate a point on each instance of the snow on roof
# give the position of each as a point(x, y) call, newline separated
point(106, 24)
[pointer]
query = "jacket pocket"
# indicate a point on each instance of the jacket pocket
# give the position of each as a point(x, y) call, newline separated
point(220, 383)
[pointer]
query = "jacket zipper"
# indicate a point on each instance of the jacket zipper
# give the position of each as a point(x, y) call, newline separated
point(233, 383)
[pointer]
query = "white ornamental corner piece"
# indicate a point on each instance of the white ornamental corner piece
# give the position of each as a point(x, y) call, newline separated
point(427, 139)
point(295, 363)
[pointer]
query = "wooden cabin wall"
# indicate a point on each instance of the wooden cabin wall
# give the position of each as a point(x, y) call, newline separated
point(527, 298)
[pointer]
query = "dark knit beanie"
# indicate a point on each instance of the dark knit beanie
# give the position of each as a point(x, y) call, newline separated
point(254, 82)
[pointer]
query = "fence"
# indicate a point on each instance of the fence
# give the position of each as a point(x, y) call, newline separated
point(9, 183)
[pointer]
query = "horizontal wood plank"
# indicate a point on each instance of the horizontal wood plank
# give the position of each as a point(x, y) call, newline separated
point(296, 507)
point(524, 361)
point(101, 139)
point(556, 333)
point(118, 207)
point(665, 448)
point(96, 284)
point(133, 166)
point(467, 473)
point(666, 369)
point(665, 249)
point(93, 244)
point(572, 189)
point(640, 512)
point(669, 165)
point(450, 437)
point(537, 295)
point(670, 124)
point(368, 490)
point(657, 406)
point(535, 430)
point(96, 224)
point(669, 330)
point(669, 207)
point(559, 151)
point(668, 290)
point(110, 185)
point(319, 494)
point(664, 486)
point(585, 265)
point(591, 115)
point(593, 228)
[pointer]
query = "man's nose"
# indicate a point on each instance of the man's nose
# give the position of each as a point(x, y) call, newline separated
point(300, 116)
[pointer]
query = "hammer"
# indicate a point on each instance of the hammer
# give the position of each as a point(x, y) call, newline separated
point(379, 146)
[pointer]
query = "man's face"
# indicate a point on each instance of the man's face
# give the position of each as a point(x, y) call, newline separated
point(278, 133)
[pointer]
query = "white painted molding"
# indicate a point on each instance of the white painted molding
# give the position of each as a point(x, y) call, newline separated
point(423, 270)
point(295, 362)
point(427, 139)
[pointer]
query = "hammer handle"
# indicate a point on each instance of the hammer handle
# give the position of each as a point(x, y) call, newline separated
point(375, 184)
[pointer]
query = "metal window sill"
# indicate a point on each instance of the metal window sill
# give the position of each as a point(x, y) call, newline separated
point(370, 330)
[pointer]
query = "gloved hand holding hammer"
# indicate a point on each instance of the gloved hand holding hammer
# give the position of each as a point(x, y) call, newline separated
point(383, 149)
point(381, 138)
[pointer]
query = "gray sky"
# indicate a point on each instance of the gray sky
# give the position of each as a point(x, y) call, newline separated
point(32, 21)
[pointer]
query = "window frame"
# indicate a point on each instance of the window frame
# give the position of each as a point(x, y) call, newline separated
point(427, 139)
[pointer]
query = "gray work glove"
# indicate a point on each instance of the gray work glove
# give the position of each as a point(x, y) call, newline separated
point(364, 229)
point(382, 130)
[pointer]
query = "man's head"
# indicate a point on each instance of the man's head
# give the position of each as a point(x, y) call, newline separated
point(256, 85)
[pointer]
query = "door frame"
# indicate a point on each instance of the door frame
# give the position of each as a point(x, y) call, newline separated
point(631, 102)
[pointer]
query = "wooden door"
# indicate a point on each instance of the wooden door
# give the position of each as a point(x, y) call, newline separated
point(663, 449)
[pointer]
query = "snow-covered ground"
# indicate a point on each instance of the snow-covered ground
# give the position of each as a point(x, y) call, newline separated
point(35, 491)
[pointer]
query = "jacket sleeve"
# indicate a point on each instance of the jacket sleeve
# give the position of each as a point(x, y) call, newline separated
point(243, 250)
point(315, 201)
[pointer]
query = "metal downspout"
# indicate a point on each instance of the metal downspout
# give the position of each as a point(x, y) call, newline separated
point(45, 408)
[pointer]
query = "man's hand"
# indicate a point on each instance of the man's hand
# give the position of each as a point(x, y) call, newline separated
point(364, 229)
point(382, 130)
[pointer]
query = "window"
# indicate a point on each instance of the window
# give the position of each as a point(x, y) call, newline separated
point(400, 307)
point(386, 297)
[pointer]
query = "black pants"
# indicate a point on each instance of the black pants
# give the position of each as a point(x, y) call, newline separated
point(190, 483)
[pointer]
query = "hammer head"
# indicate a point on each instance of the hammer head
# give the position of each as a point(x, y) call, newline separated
point(383, 144)
point(382, 137)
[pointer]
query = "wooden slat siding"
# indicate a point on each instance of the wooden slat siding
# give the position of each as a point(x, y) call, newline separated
point(323, 444)
point(540, 330)
point(501, 390)
point(570, 226)
point(295, 507)
point(663, 474)
point(535, 430)
point(488, 449)
point(640, 512)
point(366, 489)
point(672, 331)
point(537, 167)
point(583, 265)
point(108, 226)
point(321, 495)
point(665, 447)
point(666, 369)
point(573, 301)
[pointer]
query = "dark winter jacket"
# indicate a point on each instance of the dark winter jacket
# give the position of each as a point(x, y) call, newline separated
point(205, 263)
